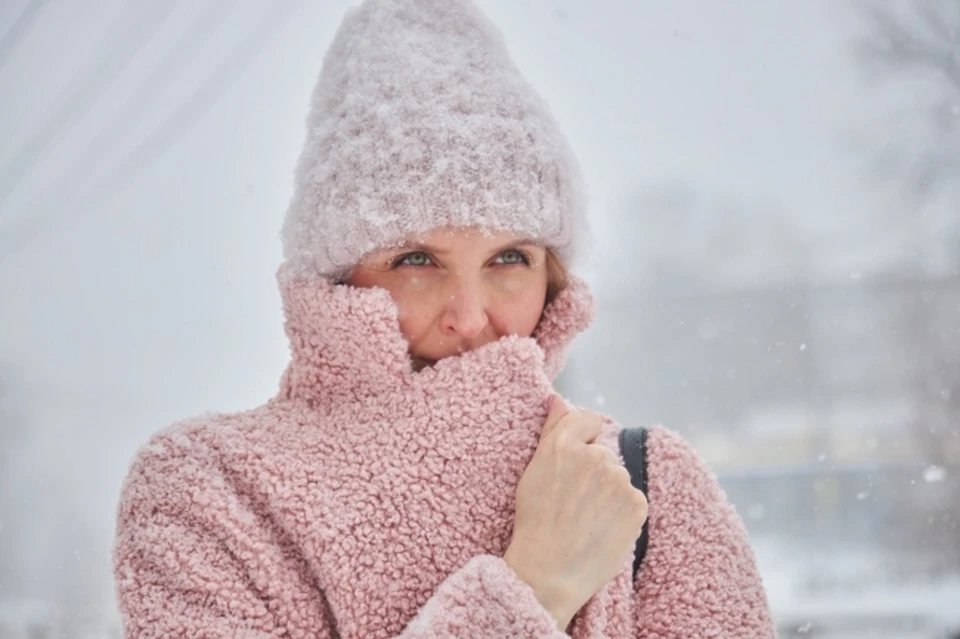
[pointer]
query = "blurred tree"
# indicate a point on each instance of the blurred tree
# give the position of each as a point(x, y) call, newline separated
point(913, 48)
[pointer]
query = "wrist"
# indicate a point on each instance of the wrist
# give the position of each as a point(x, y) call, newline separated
point(552, 595)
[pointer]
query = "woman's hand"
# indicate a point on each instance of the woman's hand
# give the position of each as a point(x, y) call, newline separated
point(577, 517)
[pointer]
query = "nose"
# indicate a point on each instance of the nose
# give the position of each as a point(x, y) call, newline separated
point(465, 313)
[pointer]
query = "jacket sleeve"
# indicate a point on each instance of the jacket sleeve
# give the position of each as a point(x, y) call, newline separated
point(485, 598)
point(191, 559)
point(699, 577)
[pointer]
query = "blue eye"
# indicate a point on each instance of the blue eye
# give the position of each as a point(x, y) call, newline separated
point(513, 256)
point(418, 258)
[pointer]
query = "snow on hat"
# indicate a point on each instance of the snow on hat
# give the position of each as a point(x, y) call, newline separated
point(420, 120)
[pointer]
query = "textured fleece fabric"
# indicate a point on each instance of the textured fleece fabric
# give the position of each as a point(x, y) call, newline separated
point(368, 500)
point(420, 120)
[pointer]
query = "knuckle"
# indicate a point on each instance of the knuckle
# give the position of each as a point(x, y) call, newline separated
point(638, 502)
point(591, 420)
point(564, 440)
point(622, 475)
point(587, 417)
point(596, 456)
point(617, 483)
point(603, 456)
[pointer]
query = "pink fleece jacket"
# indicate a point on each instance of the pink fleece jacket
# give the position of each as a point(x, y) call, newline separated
point(368, 500)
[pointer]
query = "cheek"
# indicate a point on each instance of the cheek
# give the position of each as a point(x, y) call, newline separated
point(520, 304)
point(515, 286)
point(413, 323)
point(526, 316)
point(415, 305)
point(413, 293)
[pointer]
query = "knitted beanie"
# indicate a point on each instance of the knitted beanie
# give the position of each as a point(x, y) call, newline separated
point(420, 120)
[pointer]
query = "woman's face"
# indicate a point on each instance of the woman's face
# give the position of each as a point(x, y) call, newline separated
point(459, 289)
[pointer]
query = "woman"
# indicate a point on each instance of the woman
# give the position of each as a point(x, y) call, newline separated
point(416, 476)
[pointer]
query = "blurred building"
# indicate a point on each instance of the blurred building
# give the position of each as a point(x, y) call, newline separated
point(853, 372)
point(828, 403)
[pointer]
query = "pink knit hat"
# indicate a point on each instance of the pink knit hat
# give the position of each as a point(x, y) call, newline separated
point(420, 120)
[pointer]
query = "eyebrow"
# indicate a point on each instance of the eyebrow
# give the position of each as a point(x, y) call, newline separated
point(420, 246)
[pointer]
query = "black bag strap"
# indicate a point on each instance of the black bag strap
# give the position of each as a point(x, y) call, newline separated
point(633, 447)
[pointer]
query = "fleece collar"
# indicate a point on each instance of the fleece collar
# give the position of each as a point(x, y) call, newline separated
point(346, 343)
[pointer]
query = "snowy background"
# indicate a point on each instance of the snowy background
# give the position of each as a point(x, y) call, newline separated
point(775, 192)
